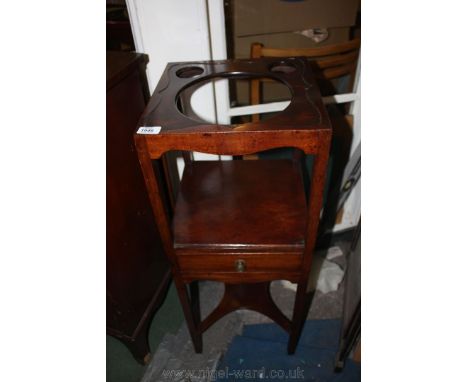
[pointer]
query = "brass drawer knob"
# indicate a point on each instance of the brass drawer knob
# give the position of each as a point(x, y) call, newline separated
point(239, 265)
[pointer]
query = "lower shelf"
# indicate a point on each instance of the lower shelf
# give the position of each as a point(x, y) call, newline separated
point(240, 205)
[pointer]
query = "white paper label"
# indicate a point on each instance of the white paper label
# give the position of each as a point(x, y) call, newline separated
point(149, 130)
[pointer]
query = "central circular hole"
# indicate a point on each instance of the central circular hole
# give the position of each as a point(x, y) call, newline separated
point(197, 101)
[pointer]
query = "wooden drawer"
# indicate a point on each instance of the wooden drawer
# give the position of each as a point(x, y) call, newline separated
point(240, 263)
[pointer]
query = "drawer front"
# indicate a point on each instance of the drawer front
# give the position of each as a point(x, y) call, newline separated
point(240, 263)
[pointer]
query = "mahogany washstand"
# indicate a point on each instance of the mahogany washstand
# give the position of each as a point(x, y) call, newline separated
point(243, 223)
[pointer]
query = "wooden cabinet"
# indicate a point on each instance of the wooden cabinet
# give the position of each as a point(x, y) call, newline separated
point(137, 271)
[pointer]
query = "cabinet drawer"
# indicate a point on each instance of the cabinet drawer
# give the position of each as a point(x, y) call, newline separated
point(240, 263)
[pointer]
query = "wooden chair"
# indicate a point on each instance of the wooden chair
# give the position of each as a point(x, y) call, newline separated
point(328, 63)
point(243, 223)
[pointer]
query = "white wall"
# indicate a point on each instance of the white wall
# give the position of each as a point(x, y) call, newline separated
point(171, 31)
point(168, 31)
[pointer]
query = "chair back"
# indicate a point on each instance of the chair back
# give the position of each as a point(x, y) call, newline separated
point(328, 62)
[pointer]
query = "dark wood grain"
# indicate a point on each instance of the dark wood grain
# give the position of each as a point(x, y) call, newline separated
point(303, 124)
point(264, 262)
point(228, 204)
point(138, 273)
point(244, 223)
point(254, 296)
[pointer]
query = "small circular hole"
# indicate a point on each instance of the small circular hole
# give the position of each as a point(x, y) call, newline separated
point(190, 71)
point(283, 67)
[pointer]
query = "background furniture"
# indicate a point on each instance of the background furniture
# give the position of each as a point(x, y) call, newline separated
point(244, 223)
point(350, 338)
point(118, 30)
point(328, 63)
point(281, 24)
point(137, 271)
point(334, 67)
